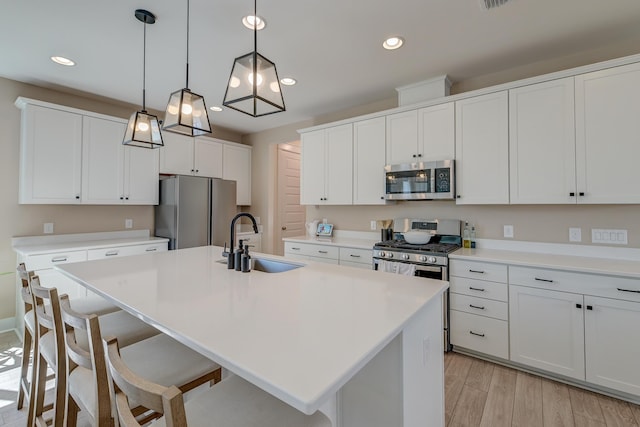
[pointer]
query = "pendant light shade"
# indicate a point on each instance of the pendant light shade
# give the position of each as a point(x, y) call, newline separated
point(186, 111)
point(254, 87)
point(143, 129)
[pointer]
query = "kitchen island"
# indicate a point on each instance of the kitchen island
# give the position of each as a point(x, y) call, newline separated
point(361, 346)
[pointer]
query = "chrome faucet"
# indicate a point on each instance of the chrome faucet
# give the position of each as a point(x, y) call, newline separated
point(230, 263)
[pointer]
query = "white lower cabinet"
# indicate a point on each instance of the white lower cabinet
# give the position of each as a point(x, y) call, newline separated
point(331, 254)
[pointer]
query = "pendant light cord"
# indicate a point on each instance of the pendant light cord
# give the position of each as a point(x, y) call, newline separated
point(187, 83)
point(144, 68)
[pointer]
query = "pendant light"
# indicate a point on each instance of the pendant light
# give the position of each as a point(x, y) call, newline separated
point(257, 96)
point(186, 111)
point(143, 129)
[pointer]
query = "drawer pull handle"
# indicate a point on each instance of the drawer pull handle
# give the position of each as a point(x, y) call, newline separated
point(476, 334)
point(354, 256)
point(476, 306)
point(296, 249)
point(151, 249)
point(476, 271)
point(112, 253)
point(578, 305)
point(544, 280)
point(323, 252)
point(629, 290)
point(59, 259)
point(589, 307)
point(476, 289)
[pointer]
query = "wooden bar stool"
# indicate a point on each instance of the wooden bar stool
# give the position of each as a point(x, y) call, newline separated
point(232, 402)
point(160, 358)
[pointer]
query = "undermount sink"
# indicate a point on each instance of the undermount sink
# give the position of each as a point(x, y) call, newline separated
point(270, 265)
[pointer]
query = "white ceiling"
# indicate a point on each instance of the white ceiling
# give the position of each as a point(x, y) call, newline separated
point(332, 47)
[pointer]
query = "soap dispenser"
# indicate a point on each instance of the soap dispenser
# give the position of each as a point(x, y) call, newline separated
point(237, 255)
point(246, 260)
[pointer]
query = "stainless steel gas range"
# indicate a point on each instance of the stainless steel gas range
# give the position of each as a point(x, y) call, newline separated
point(431, 260)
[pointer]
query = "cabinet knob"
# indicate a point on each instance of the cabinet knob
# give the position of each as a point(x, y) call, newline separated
point(581, 193)
point(381, 197)
point(419, 155)
point(197, 170)
point(77, 197)
point(127, 198)
point(414, 155)
point(121, 198)
point(589, 307)
point(578, 305)
point(572, 194)
point(284, 228)
point(458, 196)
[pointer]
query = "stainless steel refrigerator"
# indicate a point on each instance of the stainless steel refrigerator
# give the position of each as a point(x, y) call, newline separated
point(195, 211)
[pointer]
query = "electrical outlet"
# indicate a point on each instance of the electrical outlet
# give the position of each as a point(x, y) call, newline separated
point(128, 223)
point(324, 220)
point(575, 234)
point(373, 225)
point(48, 228)
point(508, 231)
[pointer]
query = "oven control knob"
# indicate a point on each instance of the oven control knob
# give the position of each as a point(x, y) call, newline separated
point(389, 255)
point(405, 256)
point(431, 259)
point(423, 258)
point(382, 254)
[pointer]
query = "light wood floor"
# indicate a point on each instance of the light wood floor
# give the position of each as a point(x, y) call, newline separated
point(479, 393)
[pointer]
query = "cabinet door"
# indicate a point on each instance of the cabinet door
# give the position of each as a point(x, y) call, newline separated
point(176, 157)
point(103, 161)
point(612, 343)
point(607, 135)
point(369, 153)
point(312, 168)
point(208, 158)
point(50, 156)
point(339, 169)
point(542, 143)
point(237, 167)
point(402, 137)
point(482, 150)
point(547, 330)
point(141, 175)
point(436, 132)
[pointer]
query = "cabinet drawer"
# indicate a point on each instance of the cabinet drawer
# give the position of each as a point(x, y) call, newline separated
point(482, 334)
point(362, 256)
point(39, 262)
point(356, 265)
point(621, 288)
point(479, 270)
point(112, 252)
point(320, 251)
point(480, 306)
point(479, 288)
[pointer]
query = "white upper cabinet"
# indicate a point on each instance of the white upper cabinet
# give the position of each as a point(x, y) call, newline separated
point(327, 166)
point(184, 155)
point(50, 155)
point(141, 184)
point(368, 162)
point(207, 157)
point(402, 138)
point(542, 143)
point(482, 149)
point(237, 167)
point(608, 135)
point(436, 132)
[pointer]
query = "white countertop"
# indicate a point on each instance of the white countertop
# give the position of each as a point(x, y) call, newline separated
point(338, 240)
point(37, 245)
point(583, 264)
point(300, 335)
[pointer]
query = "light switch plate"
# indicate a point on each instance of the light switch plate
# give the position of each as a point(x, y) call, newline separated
point(128, 223)
point(609, 236)
point(48, 228)
point(508, 231)
point(373, 225)
point(575, 234)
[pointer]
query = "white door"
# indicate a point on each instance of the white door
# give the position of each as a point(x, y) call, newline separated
point(542, 143)
point(339, 165)
point(369, 154)
point(312, 168)
point(237, 167)
point(402, 137)
point(482, 149)
point(103, 161)
point(51, 156)
point(176, 157)
point(208, 158)
point(546, 330)
point(436, 132)
point(612, 343)
point(291, 215)
point(608, 135)
point(141, 184)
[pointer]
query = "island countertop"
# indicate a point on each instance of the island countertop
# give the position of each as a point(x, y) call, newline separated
point(299, 334)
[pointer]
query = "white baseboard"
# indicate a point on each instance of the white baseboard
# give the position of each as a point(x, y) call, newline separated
point(8, 324)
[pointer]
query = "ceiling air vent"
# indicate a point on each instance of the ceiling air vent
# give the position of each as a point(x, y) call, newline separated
point(490, 4)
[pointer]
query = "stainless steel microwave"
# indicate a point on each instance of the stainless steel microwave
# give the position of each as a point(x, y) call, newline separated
point(421, 181)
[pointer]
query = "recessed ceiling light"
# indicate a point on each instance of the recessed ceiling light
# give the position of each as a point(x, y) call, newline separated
point(63, 61)
point(288, 81)
point(249, 21)
point(393, 43)
point(215, 108)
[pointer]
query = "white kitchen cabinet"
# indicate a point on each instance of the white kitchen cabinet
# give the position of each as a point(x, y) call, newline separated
point(402, 137)
point(184, 155)
point(482, 149)
point(50, 155)
point(355, 257)
point(114, 173)
point(436, 132)
point(326, 175)
point(369, 154)
point(607, 129)
point(542, 143)
point(237, 167)
point(612, 343)
point(547, 330)
point(309, 251)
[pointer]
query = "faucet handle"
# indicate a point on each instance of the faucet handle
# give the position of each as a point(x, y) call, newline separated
point(224, 251)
